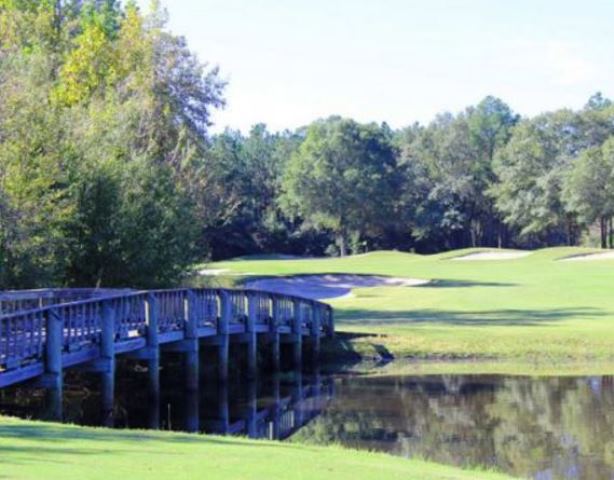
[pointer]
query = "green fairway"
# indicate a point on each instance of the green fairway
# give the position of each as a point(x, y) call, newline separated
point(31, 451)
point(534, 308)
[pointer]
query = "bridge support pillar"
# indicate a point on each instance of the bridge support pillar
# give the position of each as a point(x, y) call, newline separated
point(276, 351)
point(153, 345)
point(192, 420)
point(53, 378)
point(223, 410)
point(224, 335)
point(252, 340)
point(297, 337)
point(252, 412)
point(107, 364)
point(274, 336)
point(274, 432)
point(192, 357)
point(298, 397)
point(154, 409)
point(53, 405)
point(316, 320)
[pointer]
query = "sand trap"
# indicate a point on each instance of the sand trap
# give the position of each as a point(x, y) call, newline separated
point(320, 287)
point(212, 272)
point(590, 257)
point(492, 256)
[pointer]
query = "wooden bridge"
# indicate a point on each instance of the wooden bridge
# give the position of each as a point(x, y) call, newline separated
point(44, 331)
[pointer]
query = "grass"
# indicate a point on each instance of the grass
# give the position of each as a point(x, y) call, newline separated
point(530, 309)
point(31, 450)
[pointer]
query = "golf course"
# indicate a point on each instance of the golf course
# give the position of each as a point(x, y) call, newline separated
point(308, 240)
point(516, 313)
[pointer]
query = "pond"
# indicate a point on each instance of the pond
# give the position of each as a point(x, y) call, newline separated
point(541, 428)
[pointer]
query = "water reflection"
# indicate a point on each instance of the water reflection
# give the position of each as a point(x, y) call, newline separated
point(542, 428)
point(273, 408)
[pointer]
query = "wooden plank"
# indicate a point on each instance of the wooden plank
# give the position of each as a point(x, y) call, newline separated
point(82, 356)
point(22, 374)
point(170, 337)
point(206, 332)
point(130, 345)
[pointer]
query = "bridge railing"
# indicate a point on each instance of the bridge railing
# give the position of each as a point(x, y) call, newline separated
point(22, 300)
point(23, 333)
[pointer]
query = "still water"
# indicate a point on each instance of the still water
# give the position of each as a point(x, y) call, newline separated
point(541, 428)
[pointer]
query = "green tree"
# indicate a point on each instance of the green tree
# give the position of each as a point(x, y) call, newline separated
point(531, 170)
point(104, 189)
point(589, 189)
point(342, 179)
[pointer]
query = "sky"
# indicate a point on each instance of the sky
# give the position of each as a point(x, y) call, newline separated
point(289, 62)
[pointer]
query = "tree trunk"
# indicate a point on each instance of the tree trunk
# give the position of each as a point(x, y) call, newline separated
point(341, 242)
point(611, 234)
point(604, 232)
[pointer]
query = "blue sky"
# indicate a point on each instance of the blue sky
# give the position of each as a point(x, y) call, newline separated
point(289, 62)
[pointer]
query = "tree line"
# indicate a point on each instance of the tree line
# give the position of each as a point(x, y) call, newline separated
point(109, 174)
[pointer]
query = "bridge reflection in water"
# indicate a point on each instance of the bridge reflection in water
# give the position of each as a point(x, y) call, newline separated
point(274, 408)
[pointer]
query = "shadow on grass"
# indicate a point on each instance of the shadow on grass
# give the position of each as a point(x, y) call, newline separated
point(505, 317)
point(443, 283)
point(72, 436)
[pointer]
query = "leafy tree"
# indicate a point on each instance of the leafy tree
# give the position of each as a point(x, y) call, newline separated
point(589, 189)
point(341, 178)
point(103, 190)
point(531, 169)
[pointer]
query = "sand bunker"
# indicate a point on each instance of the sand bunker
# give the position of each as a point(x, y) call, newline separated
point(590, 257)
point(320, 287)
point(492, 256)
point(212, 272)
point(216, 272)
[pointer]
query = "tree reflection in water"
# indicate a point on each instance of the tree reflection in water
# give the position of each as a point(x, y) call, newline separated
point(554, 427)
point(545, 428)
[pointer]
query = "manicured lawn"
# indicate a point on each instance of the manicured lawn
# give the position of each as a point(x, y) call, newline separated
point(529, 309)
point(33, 451)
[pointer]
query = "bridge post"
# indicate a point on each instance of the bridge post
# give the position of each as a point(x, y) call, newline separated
point(153, 343)
point(153, 410)
point(297, 334)
point(53, 378)
point(298, 395)
point(191, 342)
point(107, 356)
point(331, 321)
point(192, 414)
point(223, 409)
point(274, 335)
point(252, 341)
point(316, 319)
point(224, 335)
point(53, 349)
point(252, 410)
point(274, 432)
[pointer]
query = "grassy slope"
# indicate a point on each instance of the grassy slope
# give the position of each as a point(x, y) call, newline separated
point(30, 450)
point(533, 308)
